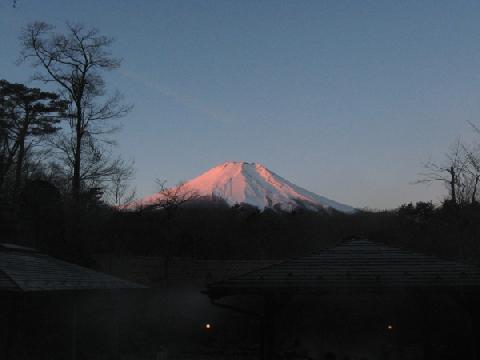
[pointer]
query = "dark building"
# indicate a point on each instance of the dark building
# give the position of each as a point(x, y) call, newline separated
point(361, 299)
point(43, 302)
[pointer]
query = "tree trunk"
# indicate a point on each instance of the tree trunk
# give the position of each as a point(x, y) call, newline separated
point(7, 163)
point(19, 164)
point(77, 157)
point(474, 192)
point(452, 186)
point(2, 171)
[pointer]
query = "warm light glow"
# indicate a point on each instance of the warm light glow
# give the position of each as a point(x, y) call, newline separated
point(390, 327)
point(240, 182)
point(208, 326)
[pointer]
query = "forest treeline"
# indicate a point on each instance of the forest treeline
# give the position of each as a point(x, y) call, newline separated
point(62, 187)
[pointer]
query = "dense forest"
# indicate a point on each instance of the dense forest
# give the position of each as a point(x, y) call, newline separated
point(62, 188)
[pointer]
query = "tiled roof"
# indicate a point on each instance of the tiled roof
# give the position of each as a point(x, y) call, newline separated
point(23, 269)
point(356, 263)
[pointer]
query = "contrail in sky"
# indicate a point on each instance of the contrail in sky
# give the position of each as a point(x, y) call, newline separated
point(215, 114)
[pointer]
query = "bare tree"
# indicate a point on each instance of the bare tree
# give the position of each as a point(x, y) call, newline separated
point(74, 61)
point(171, 198)
point(473, 169)
point(451, 172)
point(119, 191)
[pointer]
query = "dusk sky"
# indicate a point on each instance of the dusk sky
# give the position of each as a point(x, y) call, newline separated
point(346, 99)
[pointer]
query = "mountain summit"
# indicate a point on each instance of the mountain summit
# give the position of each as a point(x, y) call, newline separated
point(251, 183)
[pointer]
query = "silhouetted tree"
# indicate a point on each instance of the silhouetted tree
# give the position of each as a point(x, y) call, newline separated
point(119, 191)
point(473, 166)
point(41, 216)
point(7, 146)
point(75, 62)
point(100, 169)
point(29, 114)
point(450, 172)
point(171, 198)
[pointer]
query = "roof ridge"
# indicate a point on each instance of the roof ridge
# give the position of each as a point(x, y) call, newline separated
point(405, 250)
point(16, 247)
point(369, 265)
point(9, 277)
point(280, 262)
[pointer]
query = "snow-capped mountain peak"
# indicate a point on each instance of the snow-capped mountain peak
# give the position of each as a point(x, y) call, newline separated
point(239, 182)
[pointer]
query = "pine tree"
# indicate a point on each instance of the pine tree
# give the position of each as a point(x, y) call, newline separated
point(27, 115)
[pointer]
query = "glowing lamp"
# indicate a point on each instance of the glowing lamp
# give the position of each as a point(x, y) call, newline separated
point(390, 327)
point(208, 326)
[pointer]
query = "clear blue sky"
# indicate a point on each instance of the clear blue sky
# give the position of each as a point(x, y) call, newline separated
point(343, 98)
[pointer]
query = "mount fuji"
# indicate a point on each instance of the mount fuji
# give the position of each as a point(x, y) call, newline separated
point(253, 184)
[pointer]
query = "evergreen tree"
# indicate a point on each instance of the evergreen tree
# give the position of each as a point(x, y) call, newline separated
point(27, 114)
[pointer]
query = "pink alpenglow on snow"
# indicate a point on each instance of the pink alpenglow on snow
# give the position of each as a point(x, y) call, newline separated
point(250, 183)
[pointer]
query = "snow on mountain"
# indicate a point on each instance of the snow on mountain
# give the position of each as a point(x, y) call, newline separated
point(253, 184)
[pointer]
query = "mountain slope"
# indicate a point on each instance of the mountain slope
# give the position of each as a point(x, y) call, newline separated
point(254, 184)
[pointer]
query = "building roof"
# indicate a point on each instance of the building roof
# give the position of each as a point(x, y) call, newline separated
point(207, 271)
point(353, 264)
point(26, 270)
point(150, 270)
